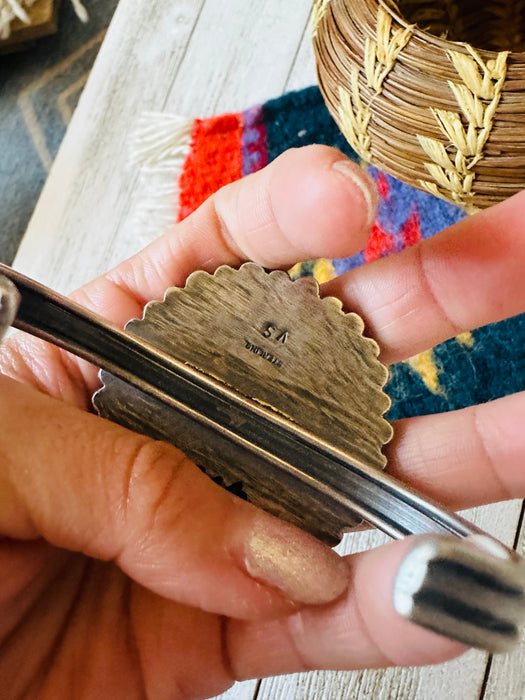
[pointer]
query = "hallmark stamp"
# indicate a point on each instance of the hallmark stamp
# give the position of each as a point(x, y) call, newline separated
point(258, 350)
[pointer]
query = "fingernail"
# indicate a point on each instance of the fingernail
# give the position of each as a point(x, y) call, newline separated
point(302, 568)
point(459, 589)
point(364, 183)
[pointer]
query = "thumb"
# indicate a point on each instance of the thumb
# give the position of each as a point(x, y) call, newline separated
point(88, 485)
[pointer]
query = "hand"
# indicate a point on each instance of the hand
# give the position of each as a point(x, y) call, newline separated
point(124, 571)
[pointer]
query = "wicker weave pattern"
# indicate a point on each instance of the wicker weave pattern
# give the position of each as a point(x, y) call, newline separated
point(438, 114)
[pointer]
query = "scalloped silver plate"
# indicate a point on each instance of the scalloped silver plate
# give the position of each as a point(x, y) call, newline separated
point(272, 340)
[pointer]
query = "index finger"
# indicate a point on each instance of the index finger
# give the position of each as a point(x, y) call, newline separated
point(310, 202)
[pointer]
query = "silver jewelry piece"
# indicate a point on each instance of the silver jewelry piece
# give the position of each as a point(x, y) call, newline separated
point(9, 302)
point(233, 370)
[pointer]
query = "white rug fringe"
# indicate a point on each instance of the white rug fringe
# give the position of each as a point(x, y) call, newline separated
point(81, 11)
point(16, 9)
point(160, 146)
point(10, 10)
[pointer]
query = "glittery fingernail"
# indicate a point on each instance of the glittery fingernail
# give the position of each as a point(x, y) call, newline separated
point(302, 568)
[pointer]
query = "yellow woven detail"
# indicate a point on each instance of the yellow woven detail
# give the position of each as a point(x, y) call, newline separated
point(381, 53)
point(355, 117)
point(295, 271)
point(466, 339)
point(478, 97)
point(483, 80)
point(318, 11)
point(424, 364)
point(433, 189)
point(323, 270)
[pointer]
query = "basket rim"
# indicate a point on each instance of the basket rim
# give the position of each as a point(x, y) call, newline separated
point(447, 105)
point(444, 44)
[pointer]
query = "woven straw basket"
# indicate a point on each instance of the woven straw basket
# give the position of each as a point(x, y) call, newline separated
point(430, 91)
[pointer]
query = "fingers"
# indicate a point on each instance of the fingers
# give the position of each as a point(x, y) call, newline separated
point(90, 486)
point(463, 458)
point(310, 202)
point(454, 589)
point(467, 276)
point(361, 630)
point(28, 568)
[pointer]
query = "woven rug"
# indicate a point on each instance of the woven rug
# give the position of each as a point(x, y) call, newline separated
point(39, 89)
point(184, 161)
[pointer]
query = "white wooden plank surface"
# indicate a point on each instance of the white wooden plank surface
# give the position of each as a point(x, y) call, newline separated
point(197, 58)
point(506, 679)
point(461, 679)
point(188, 57)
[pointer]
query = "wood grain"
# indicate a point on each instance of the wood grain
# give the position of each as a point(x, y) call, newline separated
point(196, 58)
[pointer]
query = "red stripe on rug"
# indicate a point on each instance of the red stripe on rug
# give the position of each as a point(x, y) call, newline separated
point(411, 230)
point(379, 244)
point(215, 159)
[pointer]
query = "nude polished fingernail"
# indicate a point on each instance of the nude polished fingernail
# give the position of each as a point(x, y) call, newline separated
point(304, 569)
point(363, 182)
point(463, 591)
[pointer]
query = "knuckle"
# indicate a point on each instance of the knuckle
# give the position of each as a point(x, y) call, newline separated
point(489, 437)
point(152, 475)
point(432, 289)
point(225, 212)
